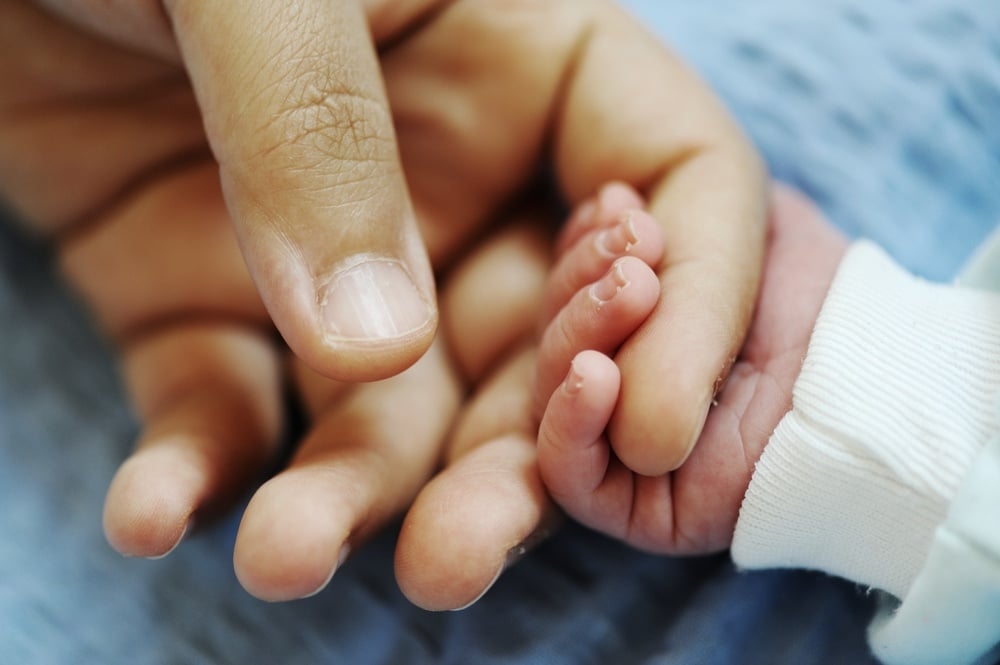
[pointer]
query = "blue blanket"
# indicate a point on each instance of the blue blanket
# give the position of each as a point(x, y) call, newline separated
point(886, 112)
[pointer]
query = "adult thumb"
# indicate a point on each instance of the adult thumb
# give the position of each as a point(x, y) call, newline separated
point(296, 115)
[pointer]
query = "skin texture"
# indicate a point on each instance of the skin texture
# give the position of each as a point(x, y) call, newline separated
point(693, 509)
point(203, 173)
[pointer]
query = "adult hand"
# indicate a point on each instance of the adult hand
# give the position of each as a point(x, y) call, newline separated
point(485, 96)
point(102, 102)
point(373, 447)
point(289, 100)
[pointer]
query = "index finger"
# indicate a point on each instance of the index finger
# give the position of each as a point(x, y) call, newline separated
point(633, 112)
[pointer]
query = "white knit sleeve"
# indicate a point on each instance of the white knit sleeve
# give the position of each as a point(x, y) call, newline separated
point(898, 393)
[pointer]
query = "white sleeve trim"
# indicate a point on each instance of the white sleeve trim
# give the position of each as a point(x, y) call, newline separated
point(952, 612)
point(897, 395)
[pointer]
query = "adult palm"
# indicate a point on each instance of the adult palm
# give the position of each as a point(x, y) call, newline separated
point(140, 135)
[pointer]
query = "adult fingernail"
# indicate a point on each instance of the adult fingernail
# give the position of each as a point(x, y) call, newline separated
point(187, 529)
point(513, 555)
point(517, 552)
point(503, 567)
point(345, 551)
point(619, 239)
point(610, 285)
point(373, 300)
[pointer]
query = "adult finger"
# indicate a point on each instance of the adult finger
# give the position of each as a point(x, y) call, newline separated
point(486, 508)
point(488, 505)
point(491, 299)
point(371, 449)
point(296, 115)
point(209, 395)
point(706, 187)
point(164, 254)
point(164, 276)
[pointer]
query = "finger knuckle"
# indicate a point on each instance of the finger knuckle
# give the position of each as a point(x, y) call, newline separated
point(334, 120)
point(322, 125)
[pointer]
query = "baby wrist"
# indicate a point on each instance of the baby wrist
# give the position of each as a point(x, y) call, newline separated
point(897, 394)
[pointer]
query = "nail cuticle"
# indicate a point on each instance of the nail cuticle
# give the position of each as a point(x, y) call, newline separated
point(618, 240)
point(574, 380)
point(609, 286)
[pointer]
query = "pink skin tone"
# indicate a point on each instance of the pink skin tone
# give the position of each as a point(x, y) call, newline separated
point(693, 509)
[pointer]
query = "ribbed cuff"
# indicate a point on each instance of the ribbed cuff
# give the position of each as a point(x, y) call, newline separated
point(897, 394)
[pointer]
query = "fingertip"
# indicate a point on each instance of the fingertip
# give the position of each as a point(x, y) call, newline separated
point(635, 233)
point(673, 365)
point(616, 196)
point(601, 316)
point(655, 427)
point(357, 361)
point(149, 506)
point(446, 562)
point(367, 320)
point(292, 539)
point(600, 210)
point(590, 386)
point(459, 535)
point(570, 461)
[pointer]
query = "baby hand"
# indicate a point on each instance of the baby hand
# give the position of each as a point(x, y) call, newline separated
point(580, 387)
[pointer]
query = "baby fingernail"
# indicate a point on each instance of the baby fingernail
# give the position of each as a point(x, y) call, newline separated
point(574, 381)
point(619, 239)
point(373, 300)
point(613, 282)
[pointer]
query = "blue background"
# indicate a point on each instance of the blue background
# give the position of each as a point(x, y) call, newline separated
point(886, 112)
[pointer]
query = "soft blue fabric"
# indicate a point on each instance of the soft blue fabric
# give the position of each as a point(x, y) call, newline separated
point(885, 111)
